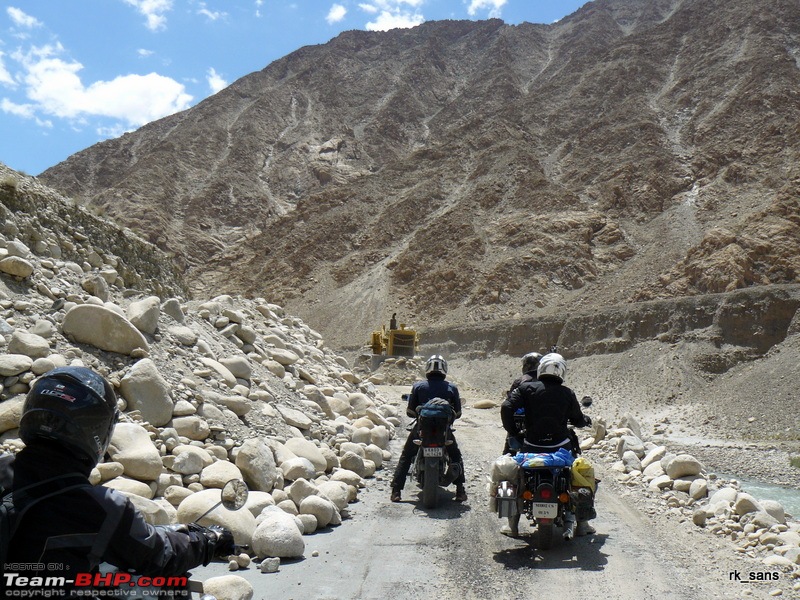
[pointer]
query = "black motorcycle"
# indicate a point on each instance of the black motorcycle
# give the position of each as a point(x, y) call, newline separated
point(432, 467)
point(544, 492)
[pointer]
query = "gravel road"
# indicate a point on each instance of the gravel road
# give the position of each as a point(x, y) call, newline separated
point(455, 551)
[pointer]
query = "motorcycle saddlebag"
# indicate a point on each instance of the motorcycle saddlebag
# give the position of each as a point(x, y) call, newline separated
point(583, 501)
point(506, 499)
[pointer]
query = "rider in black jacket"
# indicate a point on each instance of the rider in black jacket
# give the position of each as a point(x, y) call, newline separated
point(67, 421)
point(549, 406)
point(435, 386)
point(530, 364)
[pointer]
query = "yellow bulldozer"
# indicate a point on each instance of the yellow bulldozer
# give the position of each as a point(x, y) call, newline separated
point(394, 341)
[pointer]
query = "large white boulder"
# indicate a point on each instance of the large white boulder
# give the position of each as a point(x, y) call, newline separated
point(257, 464)
point(29, 344)
point(307, 449)
point(298, 468)
point(277, 535)
point(219, 473)
point(228, 587)
point(319, 506)
point(241, 522)
point(147, 391)
point(683, 465)
point(131, 446)
point(102, 328)
point(143, 314)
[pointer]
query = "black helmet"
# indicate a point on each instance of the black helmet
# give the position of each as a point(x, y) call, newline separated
point(530, 362)
point(74, 407)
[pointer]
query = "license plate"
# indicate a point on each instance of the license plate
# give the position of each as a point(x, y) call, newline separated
point(545, 510)
point(437, 451)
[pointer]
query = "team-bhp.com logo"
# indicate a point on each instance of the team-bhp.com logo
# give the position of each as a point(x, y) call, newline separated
point(46, 586)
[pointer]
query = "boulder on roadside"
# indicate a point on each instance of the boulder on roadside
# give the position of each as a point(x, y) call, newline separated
point(143, 314)
point(131, 446)
point(147, 391)
point(307, 449)
point(228, 587)
point(683, 465)
point(256, 461)
point(277, 535)
point(241, 522)
point(103, 328)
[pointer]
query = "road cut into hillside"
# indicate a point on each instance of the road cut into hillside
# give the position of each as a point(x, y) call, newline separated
point(406, 552)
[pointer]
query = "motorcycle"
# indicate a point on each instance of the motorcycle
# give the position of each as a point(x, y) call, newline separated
point(544, 493)
point(432, 467)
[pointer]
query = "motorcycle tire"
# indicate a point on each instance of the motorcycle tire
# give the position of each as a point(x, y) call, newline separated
point(546, 533)
point(430, 483)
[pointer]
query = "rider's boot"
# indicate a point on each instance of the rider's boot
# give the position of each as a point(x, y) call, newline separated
point(584, 528)
point(512, 529)
point(461, 494)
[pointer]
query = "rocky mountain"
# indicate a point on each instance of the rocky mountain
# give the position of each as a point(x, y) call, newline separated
point(210, 389)
point(461, 172)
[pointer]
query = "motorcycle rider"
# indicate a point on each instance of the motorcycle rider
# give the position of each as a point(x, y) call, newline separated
point(67, 421)
point(549, 405)
point(530, 363)
point(434, 386)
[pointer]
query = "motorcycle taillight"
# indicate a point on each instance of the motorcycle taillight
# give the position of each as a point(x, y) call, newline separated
point(545, 492)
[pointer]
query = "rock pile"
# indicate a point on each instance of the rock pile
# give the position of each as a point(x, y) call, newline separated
point(399, 370)
point(758, 529)
point(227, 388)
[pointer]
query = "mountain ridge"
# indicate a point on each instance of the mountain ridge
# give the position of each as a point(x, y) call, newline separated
point(463, 172)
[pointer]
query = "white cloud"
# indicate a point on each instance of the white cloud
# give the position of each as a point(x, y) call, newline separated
point(26, 111)
point(212, 15)
point(392, 14)
point(153, 11)
point(493, 6)
point(387, 20)
point(54, 88)
point(21, 19)
point(144, 53)
point(336, 14)
point(215, 81)
point(5, 76)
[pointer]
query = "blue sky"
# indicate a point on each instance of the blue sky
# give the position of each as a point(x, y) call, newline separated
point(76, 72)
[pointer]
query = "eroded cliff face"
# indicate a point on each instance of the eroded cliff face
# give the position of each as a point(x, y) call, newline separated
point(716, 365)
point(468, 172)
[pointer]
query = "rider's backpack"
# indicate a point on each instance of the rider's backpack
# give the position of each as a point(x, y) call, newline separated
point(16, 503)
point(437, 408)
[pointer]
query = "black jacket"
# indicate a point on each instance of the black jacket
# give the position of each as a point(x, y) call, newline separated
point(549, 406)
point(434, 387)
point(524, 378)
point(58, 535)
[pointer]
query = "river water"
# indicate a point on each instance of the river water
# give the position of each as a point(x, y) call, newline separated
point(787, 496)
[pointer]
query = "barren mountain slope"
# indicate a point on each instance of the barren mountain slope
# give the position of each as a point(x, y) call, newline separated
point(462, 172)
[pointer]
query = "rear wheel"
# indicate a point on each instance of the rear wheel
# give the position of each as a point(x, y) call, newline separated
point(430, 484)
point(545, 535)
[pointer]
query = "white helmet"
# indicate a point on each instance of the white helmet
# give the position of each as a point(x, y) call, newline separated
point(553, 365)
point(436, 364)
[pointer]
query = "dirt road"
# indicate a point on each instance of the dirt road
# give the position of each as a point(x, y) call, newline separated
point(403, 551)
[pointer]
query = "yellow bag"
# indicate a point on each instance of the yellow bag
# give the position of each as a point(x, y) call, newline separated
point(583, 474)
